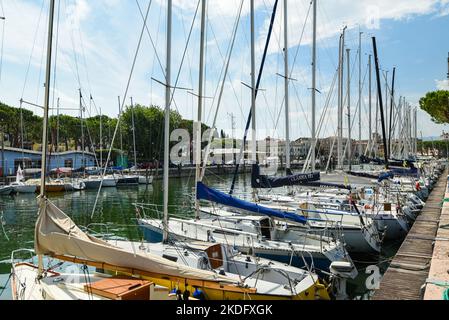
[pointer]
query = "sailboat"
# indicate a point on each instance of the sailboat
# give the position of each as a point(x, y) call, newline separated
point(57, 237)
point(20, 186)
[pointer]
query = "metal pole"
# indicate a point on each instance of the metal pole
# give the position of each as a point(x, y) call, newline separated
point(348, 56)
point(391, 111)
point(134, 133)
point(370, 105)
point(45, 119)
point(253, 87)
point(379, 91)
point(3, 156)
point(340, 101)
point(200, 106)
point(167, 120)
point(386, 111)
point(82, 132)
point(120, 128)
point(360, 94)
point(286, 83)
point(101, 140)
point(339, 129)
point(314, 86)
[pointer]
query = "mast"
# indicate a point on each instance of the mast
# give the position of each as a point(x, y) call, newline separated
point(253, 87)
point(82, 132)
point(370, 104)
point(45, 120)
point(134, 133)
point(340, 100)
point(167, 119)
point(101, 139)
point(120, 128)
point(360, 94)
point(286, 83)
point(379, 92)
point(391, 111)
point(259, 79)
point(314, 87)
point(348, 52)
point(22, 134)
point(57, 127)
point(386, 110)
point(200, 106)
point(415, 144)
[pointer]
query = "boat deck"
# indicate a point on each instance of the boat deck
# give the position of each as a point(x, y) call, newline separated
point(409, 269)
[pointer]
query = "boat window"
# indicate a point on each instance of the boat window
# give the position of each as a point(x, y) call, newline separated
point(171, 258)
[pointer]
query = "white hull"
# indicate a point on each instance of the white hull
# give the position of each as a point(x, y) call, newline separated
point(4, 191)
point(24, 188)
point(145, 180)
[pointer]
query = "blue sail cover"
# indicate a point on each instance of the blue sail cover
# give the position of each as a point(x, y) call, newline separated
point(411, 172)
point(208, 194)
point(265, 182)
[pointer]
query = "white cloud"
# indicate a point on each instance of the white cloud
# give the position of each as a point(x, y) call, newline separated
point(442, 84)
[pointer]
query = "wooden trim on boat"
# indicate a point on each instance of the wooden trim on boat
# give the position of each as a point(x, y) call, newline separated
point(192, 282)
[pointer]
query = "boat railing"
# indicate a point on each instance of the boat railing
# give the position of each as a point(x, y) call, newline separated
point(155, 211)
point(14, 260)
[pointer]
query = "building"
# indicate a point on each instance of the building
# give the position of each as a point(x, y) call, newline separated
point(445, 136)
point(11, 158)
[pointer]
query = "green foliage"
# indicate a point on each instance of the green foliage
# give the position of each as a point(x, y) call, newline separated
point(66, 130)
point(436, 104)
point(441, 146)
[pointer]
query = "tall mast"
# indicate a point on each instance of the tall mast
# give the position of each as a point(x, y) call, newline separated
point(46, 112)
point(286, 83)
point(120, 128)
point(57, 126)
point(134, 132)
point(391, 111)
point(360, 94)
point(82, 132)
point(386, 111)
point(415, 144)
point(101, 140)
point(379, 92)
point(259, 79)
point(200, 105)
point(348, 52)
point(314, 87)
point(167, 118)
point(370, 129)
point(253, 87)
point(340, 100)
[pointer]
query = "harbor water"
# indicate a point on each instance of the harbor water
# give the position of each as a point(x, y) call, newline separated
point(116, 209)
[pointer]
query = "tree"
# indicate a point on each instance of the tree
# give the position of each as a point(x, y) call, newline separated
point(436, 104)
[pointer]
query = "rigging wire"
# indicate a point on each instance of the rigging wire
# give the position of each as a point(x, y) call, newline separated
point(123, 102)
point(32, 49)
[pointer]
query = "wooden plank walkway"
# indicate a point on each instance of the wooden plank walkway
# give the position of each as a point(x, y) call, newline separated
point(409, 269)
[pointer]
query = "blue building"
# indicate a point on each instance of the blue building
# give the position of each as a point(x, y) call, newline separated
point(28, 159)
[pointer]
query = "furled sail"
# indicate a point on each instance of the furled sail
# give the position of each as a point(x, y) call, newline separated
point(265, 182)
point(208, 194)
point(57, 235)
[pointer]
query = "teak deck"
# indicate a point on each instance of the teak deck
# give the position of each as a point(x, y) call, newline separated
point(409, 269)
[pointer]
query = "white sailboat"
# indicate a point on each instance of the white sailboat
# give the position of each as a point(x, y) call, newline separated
point(20, 186)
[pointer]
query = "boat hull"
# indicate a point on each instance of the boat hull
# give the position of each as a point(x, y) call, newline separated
point(6, 191)
point(154, 234)
point(145, 180)
point(127, 181)
point(25, 188)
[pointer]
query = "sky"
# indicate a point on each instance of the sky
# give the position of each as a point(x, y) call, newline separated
point(95, 44)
